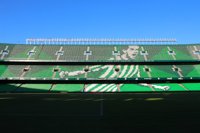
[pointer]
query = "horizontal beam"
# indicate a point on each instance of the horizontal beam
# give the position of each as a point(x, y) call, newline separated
point(99, 81)
point(63, 62)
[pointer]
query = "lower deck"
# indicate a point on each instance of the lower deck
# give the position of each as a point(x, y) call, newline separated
point(104, 88)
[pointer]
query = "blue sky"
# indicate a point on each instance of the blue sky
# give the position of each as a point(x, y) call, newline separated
point(21, 19)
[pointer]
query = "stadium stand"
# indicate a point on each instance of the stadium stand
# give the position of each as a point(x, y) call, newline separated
point(92, 77)
point(99, 53)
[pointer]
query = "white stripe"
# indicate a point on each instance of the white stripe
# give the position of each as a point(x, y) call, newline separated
point(97, 69)
point(113, 75)
point(75, 73)
point(88, 48)
point(90, 87)
point(129, 72)
point(107, 72)
point(136, 70)
point(123, 71)
point(104, 89)
point(138, 74)
point(168, 48)
point(114, 90)
point(111, 88)
point(34, 48)
point(115, 48)
point(104, 67)
point(6, 48)
point(161, 87)
point(144, 84)
point(92, 67)
point(98, 88)
point(31, 54)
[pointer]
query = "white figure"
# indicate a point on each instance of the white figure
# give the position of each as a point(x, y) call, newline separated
point(128, 71)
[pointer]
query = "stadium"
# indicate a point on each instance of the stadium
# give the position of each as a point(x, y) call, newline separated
point(99, 65)
point(115, 85)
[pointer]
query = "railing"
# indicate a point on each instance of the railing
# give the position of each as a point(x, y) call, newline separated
point(16, 80)
point(108, 62)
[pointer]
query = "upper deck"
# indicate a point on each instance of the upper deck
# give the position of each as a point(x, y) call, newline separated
point(99, 53)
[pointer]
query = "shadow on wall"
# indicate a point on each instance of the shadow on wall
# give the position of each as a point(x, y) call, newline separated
point(18, 88)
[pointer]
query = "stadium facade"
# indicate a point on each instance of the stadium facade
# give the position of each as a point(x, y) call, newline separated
point(82, 65)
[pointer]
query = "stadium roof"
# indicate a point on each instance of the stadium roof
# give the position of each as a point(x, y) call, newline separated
point(91, 41)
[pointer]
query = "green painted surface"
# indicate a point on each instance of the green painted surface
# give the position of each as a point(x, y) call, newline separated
point(68, 87)
point(192, 86)
point(34, 88)
point(142, 72)
point(2, 69)
point(44, 56)
point(21, 56)
point(37, 88)
point(44, 73)
point(162, 55)
point(134, 88)
point(195, 72)
point(176, 87)
point(182, 56)
point(159, 73)
point(7, 73)
point(172, 87)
